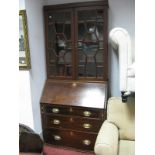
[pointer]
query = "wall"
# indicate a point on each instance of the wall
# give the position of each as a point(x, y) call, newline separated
point(31, 82)
point(21, 4)
point(37, 53)
point(121, 14)
point(51, 2)
point(25, 104)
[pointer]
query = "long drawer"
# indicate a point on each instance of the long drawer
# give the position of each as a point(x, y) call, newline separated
point(72, 122)
point(79, 140)
point(72, 110)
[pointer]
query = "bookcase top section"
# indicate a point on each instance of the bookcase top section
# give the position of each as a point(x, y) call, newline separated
point(76, 4)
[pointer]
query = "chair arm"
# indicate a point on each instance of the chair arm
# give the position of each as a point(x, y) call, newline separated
point(107, 140)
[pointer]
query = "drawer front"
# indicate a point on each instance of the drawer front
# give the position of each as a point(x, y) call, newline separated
point(79, 140)
point(74, 123)
point(70, 110)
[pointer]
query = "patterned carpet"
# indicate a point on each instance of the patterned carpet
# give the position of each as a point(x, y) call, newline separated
point(51, 150)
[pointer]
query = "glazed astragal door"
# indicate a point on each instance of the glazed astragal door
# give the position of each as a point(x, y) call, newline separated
point(59, 44)
point(90, 43)
point(76, 43)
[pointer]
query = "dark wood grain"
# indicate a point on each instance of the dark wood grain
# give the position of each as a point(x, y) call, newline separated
point(70, 138)
point(73, 105)
point(73, 110)
point(73, 8)
point(72, 99)
point(93, 95)
point(76, 5)
point(72, 122)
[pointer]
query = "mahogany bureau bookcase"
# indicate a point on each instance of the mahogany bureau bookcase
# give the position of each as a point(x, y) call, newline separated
point(73, 102)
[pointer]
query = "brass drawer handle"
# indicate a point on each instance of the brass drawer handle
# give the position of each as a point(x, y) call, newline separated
point(86, 142)
point(57, 137)
point(87, 125)
point(56, 121)
point(87, 113)
point(55, 110)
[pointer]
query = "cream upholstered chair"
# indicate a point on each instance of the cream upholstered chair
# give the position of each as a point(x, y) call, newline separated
point(117, 134)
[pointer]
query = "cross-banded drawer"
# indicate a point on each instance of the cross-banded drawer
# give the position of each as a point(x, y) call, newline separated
point(79, 140)
point(72, 122)
point(72, 110)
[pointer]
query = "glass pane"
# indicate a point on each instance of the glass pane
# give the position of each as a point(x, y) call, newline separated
point(91, 69)
point(81, 72)
point(99, 57)
point(87, 67)
point(60, 41)
point(57, 70)
point(67, 31)
point(81, 31)
point(68, 57)
point(87, 15)
point(100, 14)
point(90, 48)
point(60, 44)
point(99, 30)
point(61, 70)
point(68, 70)
point(68, 45)
point(101, 45)
point(82, 57)
point(67, 17)
point(90, 37)
point(90, 43)
point(52, 56)
point(52, 71)
point(91, 27)
point(51, 32)
point(59, 27)
point(100, 71)
point(24, 51)
point(56, 16)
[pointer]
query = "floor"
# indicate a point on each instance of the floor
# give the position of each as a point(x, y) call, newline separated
point(53, 150)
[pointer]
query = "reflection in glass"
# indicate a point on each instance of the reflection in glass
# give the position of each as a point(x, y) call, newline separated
point(81, 31)
point(51, 32)
point(59, 27)
point(86, 15)
point(90, 43)
point(22, 56)
point(59, 39)
point(67, 31)
point(100, 30)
